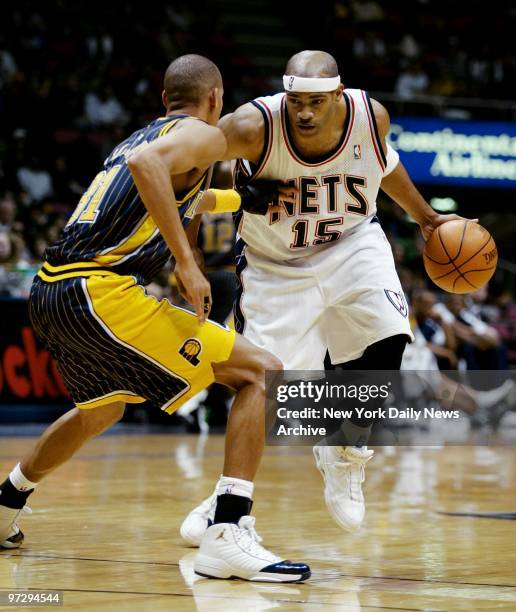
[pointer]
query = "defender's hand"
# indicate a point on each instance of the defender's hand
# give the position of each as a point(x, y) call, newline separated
point(262, 195)
point(194, 287)
point(199, 260)
point(286, 193)
point(428, 226)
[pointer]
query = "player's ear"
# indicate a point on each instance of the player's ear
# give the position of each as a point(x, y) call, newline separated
point(338, 92)
point(214, 95)
point(164, 98)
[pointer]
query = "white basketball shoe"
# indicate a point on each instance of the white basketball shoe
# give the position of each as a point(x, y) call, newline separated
point(343, 471)
point(11, 535)
point(234, 551)
point(200, 518)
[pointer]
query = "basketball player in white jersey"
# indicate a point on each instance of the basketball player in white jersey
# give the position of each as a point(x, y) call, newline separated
point(316, 271)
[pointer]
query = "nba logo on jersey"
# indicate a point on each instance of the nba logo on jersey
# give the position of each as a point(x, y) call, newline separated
point(357, 153)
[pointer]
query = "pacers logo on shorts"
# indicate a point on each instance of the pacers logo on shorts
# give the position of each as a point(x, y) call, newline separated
point(190, 349)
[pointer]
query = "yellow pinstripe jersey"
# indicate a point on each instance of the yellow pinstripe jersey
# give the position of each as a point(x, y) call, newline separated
point(111, 228)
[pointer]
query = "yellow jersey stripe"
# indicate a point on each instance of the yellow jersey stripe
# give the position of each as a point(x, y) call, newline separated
point(193, 190)
point(142, 234)
point(72, 274)
point(166, 128)
point(70, 266)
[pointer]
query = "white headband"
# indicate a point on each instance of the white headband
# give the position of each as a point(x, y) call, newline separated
point(306, 84)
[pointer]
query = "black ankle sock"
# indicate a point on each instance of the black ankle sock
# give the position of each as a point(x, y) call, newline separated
point(231, 508)
point(11, 497)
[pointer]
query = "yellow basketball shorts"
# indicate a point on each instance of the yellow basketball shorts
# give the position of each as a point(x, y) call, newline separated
point(113, 342)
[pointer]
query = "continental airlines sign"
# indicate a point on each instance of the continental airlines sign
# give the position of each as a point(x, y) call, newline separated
point(456, 152)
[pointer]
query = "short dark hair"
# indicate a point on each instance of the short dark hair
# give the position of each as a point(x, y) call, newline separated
point(189, 78)
point(312, 64)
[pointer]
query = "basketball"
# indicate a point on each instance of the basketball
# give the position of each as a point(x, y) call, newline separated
point(460, 256)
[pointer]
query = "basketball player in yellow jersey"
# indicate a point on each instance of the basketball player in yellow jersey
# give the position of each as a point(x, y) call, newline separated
point(115, 345)
point(316, 272)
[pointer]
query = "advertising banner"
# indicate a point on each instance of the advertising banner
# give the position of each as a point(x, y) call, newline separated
point(447, 152)
point(28, 374)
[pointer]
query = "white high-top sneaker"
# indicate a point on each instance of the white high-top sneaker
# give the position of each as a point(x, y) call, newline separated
point(234, 551)
point(195, 524)
point(11, 535)
point(343, 471)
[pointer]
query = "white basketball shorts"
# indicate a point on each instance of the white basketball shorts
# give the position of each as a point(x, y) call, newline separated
point(341, 299)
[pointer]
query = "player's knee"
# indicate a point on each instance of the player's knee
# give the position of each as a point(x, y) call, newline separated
point(264, 362)
point(272, 363)
point(97, 420)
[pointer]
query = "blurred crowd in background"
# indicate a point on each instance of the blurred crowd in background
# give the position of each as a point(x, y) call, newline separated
point(423, 46)
point(74, 82)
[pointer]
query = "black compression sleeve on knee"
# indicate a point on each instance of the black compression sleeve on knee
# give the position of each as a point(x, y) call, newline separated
point(383, 355)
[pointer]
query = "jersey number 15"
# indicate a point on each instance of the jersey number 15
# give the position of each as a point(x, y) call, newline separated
point(325, 229)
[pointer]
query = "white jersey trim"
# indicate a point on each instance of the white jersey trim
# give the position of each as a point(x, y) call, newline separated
point(268, 135)
point(373, 130)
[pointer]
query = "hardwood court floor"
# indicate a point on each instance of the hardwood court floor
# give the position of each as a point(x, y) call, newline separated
point(105, 530)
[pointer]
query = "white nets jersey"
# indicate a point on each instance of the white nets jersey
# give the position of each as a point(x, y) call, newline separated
point(336, 193)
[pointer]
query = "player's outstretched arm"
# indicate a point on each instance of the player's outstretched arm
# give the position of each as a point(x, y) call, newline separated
point(245, 134)
point(244, 131)
point(191, 144)
point(398, 185)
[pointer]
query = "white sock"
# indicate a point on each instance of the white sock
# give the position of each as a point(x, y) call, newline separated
point(235, 486)
point(19, 481)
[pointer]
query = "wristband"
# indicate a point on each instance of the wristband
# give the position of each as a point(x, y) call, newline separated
point(226, 201)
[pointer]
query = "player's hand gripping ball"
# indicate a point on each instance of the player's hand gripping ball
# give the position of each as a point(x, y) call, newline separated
point(460, 256)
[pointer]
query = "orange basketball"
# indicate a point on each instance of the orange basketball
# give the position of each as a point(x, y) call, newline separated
point(460, 256)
